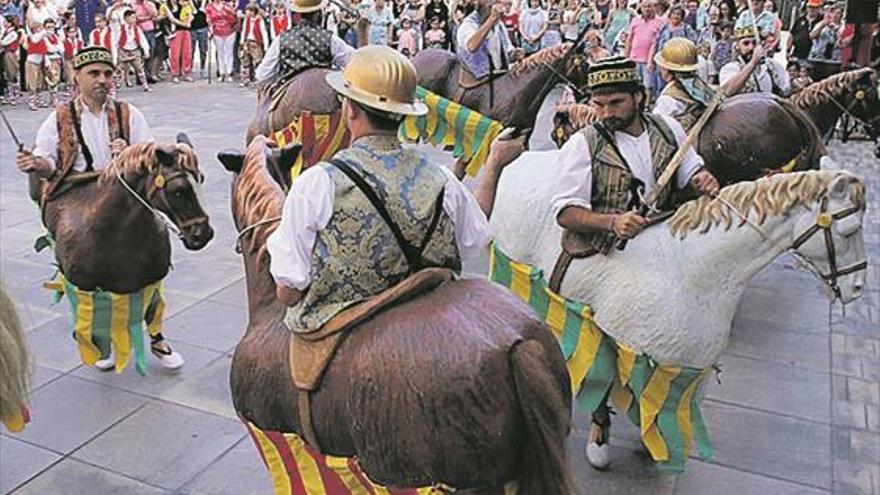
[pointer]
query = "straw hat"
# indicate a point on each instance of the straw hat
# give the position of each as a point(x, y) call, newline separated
point(679, 55)
point(306, 6)
point(380, 78)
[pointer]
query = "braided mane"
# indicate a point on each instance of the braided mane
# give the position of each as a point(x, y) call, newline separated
point(826, 89)
point(579, 114)
point(256, 197)
point(775, 195)
point(139, 157)
point(539, 58)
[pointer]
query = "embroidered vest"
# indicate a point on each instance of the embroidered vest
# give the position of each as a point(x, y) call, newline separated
point(612, 178)
point(356, 255)
point(280, 24)
point(68, 138)
point(303, 47)
point(101, 38)
point(252, 28)
point(37, 47)
point(123, 37)
point(71, 46)
point(692, 108)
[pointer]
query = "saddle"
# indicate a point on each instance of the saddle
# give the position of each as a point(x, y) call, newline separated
point(467, 81)
point(311, 353)
point(38, 188)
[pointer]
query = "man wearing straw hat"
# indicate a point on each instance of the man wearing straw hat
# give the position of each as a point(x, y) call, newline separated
point(600, 168)
point(305, 45)
point(685, 96)
point(378, 211)
point(752, 71)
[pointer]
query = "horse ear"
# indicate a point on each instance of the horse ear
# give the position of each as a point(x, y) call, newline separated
point(284, 158)
point(165, 156)
point(840, 187)
point(232, 160)
point(182, 138)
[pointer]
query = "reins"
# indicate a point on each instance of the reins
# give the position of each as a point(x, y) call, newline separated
point(160, 182)
point(250, 228)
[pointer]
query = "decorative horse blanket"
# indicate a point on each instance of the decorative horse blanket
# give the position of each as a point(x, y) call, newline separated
point(663, 400)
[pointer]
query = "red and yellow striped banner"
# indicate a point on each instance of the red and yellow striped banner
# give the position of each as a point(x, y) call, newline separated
point(320, 135)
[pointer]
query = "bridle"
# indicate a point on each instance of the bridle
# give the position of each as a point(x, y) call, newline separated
point(859, 96)
point(824, 222)
point(172, 220)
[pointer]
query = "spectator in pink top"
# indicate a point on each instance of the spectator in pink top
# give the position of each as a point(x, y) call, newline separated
point(146, 13)
point(643, 34)
point(222, 21)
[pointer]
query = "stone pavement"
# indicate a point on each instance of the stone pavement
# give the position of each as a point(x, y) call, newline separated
point(796, 411)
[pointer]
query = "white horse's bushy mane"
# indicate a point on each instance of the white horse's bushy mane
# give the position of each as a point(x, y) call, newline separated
point(824, 90)
point(773, 195)
point(15, 363)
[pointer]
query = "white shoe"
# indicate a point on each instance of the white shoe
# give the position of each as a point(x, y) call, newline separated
point(170, 359)
point(106, 364)
point(599, 456)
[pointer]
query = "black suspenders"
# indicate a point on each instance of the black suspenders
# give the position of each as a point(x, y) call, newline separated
point(77, 126)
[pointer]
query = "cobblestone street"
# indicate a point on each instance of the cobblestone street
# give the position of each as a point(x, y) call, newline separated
point(796, 412)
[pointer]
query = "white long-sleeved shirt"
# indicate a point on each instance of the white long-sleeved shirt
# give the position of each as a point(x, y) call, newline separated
point(761, 75)
point(309, 206)
point(574, 181)
point(96, 133)
point(270, 67)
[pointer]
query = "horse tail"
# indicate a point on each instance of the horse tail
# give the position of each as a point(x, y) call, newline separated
point(808, 158)
point(14, 360)
point(547, 416)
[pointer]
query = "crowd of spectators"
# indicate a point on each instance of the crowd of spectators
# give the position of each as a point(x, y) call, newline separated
point(156, 40)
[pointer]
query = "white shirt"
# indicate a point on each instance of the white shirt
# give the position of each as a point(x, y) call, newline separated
point(497, 38)
point(270, 66)
point(574, 182)
point(96, 134)
point(668, 106)
point(134, 39)
point(761, 74)
point(309, 206)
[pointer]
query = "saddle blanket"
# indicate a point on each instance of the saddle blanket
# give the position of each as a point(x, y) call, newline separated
point(320, 135)
point(663, 400)
point(298, 469)
point(105, 321)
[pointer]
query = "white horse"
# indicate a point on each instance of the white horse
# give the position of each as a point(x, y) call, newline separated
point(672, 293)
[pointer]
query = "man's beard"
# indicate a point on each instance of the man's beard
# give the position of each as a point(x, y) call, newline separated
point(747, 56)
point(619, 123)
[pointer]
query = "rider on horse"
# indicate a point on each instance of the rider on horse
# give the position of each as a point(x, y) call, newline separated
point(304, 46)
point(85, 135)
point(685, 96)
point(483, 44)
point(600, 166)
point(377, 212)
point(752, 71)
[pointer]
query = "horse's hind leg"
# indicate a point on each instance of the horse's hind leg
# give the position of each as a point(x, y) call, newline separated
point(598, 447)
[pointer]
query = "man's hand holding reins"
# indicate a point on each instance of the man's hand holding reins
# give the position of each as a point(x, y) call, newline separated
point(28, 163)
point(117, 145)
point(705, 183)
point(627, 225)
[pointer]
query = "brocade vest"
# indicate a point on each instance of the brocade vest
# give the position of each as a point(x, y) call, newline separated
point(68, 117)
point(612, 177)
point(356, 255)
point(692, 108)
point(304, 46)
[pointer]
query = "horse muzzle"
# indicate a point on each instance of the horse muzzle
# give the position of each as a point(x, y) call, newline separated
point(196, 235)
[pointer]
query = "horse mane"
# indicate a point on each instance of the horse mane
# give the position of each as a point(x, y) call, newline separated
point(14, 359)
point(538, 59)
point(579, 114)
point(256, 196)
point(826, 89)
point(139, 157)
point(774, 195)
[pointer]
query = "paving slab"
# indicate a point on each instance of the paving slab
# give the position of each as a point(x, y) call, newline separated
point(71, 477)
point(760, 340)
point(20, 461)
point(240, 471)
point(207, 390)
point(163, 444)
point(708, 478)
point(234, 295)
point(53, 346)
point(210, 325)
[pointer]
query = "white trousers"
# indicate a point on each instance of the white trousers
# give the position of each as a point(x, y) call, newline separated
point(225, 51)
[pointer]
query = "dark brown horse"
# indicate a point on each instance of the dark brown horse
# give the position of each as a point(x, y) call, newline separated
point(853, 92)
point(279, 104)
point(105, 237)
point(749, 136)
point(517, 95)
point(460, 385)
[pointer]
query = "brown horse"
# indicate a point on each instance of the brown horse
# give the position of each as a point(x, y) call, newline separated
point(517, 95)
point(306, 91)
point(853, 92)
point(106, 237)
point(460, 385)
point(749, 136)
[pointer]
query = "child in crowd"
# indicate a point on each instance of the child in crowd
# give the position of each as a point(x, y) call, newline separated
point(619, 47)
point(436, 36)
point(73, 43)
point(280, 20)
point(54, 54)
point(803, 78)
point(254, 42)
point(722, 50)
point(132, 48)
point(407, 38)
point(35, 67)
point(102, 35)
point(11, 40)
point(707, 69)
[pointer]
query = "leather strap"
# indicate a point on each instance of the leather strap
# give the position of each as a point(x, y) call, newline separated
point(304, 404)
point(559, 271)
point(412, 253)
point(77, 127)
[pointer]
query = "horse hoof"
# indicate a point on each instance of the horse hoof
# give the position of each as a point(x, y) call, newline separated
point(599, 456)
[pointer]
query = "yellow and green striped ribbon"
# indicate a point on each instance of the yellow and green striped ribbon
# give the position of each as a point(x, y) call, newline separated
point(105, 321)
point(450, 124)
point(663, 400)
